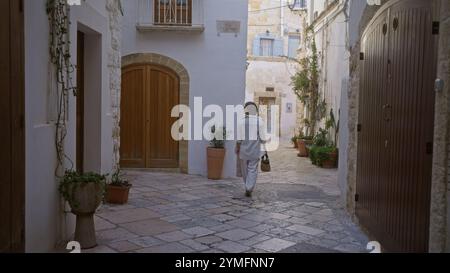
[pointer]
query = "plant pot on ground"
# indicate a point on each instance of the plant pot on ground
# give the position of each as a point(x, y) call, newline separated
point(332, 159)
point(84, 193)
point(216, 153)
point(325, 157)
point(303, 144)
point(118, 190)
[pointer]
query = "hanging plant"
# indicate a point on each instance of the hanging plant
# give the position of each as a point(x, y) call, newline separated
point(59, 48)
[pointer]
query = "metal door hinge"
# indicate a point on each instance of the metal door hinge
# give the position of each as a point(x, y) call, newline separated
point(436, 28)
point(356, 197)
point(359, 128)
point(361, 56)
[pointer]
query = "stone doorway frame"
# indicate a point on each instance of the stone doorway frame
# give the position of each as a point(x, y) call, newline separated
point(180, 70)
point(271, 95)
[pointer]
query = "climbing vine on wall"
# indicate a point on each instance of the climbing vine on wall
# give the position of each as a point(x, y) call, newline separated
point(306, 85)
point(63, 69)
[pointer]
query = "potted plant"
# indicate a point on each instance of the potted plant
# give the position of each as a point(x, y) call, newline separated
point(216, 153)
point(303, 146)
point(325, 157)
point(294, 140)
point(84, 192)
point(118, 190)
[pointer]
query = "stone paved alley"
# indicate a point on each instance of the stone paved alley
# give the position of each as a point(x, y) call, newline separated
point(295, 208)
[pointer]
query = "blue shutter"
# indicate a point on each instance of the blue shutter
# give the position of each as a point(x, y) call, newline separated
point(278, 47)
point(256, 45)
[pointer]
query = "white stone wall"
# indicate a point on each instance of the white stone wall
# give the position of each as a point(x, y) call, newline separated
point(47, 224)
point(115, 72)
point(275, 72)
point(262, 73)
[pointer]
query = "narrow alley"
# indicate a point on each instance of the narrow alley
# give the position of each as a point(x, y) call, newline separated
point(295, 209)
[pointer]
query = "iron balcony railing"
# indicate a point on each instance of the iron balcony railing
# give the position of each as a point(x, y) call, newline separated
point(175, 13)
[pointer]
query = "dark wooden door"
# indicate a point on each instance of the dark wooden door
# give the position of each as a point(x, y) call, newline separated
point(80, 103)
point(12, 124)
point(148, 95)
point(396, 125)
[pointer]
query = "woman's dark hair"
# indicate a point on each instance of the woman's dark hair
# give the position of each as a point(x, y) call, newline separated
point(251, 103)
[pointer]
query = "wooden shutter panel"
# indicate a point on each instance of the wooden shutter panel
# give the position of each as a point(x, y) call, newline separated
point(256, 45)
point(278, 47)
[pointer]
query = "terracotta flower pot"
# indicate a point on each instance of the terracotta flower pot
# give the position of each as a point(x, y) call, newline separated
point(331, 163)
point(216, 158)
point(86, 199)
point(302, 147)
point(117, 194)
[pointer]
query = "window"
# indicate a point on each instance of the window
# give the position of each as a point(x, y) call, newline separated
point(266, 47)
point(173, 12)
point(294, 44)
point(300, 4)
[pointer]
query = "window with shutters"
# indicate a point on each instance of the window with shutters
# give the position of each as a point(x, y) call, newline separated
point(300, 4)
point(266, 47)
point(294, 44)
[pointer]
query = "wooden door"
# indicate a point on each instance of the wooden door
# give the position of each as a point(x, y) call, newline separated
point(12, 124)
point(133, 117)
point(396, 125)
point(80, 103)
point(162, 96)
point(148, 95)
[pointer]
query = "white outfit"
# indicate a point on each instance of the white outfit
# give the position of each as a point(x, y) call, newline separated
point(251, 134)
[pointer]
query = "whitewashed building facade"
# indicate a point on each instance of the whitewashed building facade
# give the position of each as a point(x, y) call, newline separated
point(191, 49)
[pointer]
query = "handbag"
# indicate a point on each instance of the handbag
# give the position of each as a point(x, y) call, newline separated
point(265, 163)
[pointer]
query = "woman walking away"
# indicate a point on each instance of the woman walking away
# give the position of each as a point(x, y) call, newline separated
point(251, 134)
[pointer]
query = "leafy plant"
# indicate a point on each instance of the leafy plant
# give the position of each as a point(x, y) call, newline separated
point(219, 137)
point(319, 154)
point(72, 180)
point(118, 180)
point(321, 138)
point(306, 84)
point(332, 124)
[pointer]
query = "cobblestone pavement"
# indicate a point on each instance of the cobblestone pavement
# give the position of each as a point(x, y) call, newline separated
point(295, 209)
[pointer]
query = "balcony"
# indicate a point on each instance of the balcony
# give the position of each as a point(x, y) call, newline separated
point(171, 15)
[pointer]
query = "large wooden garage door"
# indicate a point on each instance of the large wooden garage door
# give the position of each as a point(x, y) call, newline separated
point(148, 95)
point(12, 132)
point(396, 119)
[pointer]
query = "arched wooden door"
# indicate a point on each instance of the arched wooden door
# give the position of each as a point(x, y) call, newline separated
point(396, 117)
point(149, 93)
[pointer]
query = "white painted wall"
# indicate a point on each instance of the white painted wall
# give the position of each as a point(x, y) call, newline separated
point(216, 64)
point(334, 36)
point(269, 73)
point(356, 9)
point(46, 224)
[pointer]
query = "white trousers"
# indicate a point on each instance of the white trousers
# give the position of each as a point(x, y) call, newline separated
point(249, 169)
